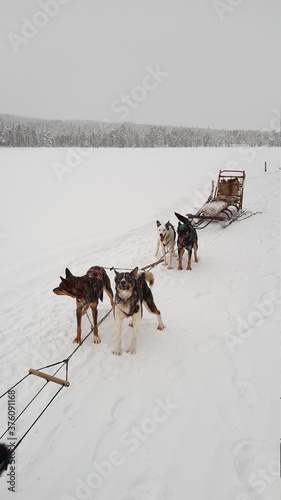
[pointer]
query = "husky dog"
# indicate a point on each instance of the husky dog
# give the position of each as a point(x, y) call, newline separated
point(187, 240)
point(131, 291)
point(87, 290)
point(166, 236)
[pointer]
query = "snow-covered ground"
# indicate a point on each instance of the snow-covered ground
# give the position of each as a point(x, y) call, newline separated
point(195, 413)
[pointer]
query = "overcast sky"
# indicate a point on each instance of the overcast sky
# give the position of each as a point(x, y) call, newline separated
point(197, 63)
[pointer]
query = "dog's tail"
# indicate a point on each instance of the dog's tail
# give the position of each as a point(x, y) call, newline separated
point(148, 277)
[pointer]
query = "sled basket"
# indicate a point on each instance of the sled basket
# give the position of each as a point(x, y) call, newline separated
point(225, 202)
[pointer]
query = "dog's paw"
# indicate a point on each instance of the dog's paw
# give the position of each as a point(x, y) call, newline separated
point(161, 327)
point(77, 340)
point(96, 340)
point(132, 350)
point(117, 352)
point(169, 267)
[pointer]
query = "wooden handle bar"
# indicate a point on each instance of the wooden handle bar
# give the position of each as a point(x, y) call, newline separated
point(49, 377)
point(152, 265)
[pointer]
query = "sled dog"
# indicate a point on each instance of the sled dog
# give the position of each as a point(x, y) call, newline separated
point(187, 240)
point(131, 292)
point(166, 237)
point(87, 290)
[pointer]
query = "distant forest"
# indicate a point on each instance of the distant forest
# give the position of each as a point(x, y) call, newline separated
point(18, 131)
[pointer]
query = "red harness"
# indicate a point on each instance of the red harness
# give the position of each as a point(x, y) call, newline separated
point(129, 314)
point(95, 273)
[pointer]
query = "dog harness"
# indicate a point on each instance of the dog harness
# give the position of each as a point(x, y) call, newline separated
point(95, 273)
point(130, 313)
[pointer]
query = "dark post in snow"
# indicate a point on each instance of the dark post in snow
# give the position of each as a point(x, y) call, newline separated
point(265, 166)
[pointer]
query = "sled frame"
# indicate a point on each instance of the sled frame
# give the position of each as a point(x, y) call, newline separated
point(228, 195)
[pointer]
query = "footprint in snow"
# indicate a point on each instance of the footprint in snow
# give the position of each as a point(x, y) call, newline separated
point(149, 488)
point(247, 392)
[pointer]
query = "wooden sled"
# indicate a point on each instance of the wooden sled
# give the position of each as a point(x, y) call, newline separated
point(225, 203)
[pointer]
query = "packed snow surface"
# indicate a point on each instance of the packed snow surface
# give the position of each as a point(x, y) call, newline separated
point(194, 414)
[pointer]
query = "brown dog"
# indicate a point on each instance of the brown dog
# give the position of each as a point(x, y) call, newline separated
point(87, 290)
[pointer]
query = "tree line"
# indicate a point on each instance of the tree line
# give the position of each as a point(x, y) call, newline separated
point(28, 132)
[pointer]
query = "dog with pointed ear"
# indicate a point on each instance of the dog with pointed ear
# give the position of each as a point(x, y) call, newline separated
point(187, 240)
point(166, 238)
point(87, 290)
point(132, 291)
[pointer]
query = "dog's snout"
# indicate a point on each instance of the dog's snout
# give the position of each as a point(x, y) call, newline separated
point(123, 284)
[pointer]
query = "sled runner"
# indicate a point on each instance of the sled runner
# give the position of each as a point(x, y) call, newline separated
point(225, 203)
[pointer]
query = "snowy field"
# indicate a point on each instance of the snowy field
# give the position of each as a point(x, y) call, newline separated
point(195, 413)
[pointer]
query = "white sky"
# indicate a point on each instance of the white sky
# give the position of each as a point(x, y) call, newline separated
point(221, 66)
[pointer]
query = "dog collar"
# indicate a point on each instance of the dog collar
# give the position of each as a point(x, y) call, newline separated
point(124, 301)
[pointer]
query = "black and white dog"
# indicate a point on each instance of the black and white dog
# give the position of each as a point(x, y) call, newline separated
point(131, 292)
point(187, 240)
point(167, 237)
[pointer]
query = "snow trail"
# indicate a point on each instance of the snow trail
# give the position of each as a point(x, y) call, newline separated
point(194, 412)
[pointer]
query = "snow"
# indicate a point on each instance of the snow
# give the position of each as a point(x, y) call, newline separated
point(195, 413)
